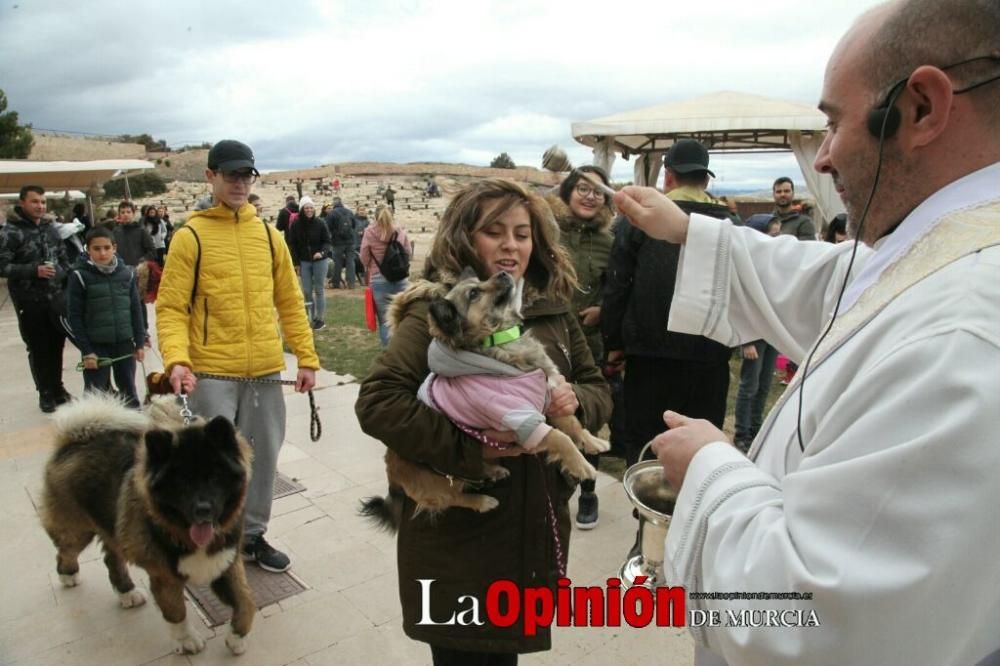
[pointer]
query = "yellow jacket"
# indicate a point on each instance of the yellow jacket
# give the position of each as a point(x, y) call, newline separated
point(229, 326)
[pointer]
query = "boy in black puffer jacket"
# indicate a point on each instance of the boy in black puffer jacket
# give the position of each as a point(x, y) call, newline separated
point(105, 314)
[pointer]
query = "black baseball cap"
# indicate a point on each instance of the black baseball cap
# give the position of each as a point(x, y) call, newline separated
point(687, 156)
point(230, 155)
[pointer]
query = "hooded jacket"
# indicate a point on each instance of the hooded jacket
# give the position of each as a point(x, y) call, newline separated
point(24, 246)
point(227, 324)
point(463, 551)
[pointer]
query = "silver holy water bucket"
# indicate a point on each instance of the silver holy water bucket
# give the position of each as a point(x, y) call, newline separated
point(555, 159)
point(648, 490)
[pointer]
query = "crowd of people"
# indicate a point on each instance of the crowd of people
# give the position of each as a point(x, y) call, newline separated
point(859, 487)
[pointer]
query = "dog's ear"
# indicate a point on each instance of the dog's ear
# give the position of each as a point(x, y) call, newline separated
point(468, 273)
point(221, 433)
point(159, 444)
point(446, 318)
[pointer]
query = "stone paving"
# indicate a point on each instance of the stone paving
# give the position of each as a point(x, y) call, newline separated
point(350, 613)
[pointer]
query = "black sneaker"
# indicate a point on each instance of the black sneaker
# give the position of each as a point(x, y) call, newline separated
point(47, 403)
point(266, 556)
point(62, 397)
point(586, 514)
point(318, 324)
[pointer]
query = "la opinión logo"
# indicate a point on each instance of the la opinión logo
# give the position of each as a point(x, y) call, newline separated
point(592, 606)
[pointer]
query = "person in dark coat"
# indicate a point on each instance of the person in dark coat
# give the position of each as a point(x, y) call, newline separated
point(490, 225)
point(684, 373)
point(33, 261)
point(285, 215)
point(343, 232)
point(584, 216)
point(105, 315)
point(134, 245)
point(309, 243)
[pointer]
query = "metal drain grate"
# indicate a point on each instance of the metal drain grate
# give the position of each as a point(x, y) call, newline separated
point(284, 485)
point(267, 588)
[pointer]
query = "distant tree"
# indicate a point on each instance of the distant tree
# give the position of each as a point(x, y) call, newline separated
point(151, 144)
point(139, 185)
point(502, 161)
point(15, 140)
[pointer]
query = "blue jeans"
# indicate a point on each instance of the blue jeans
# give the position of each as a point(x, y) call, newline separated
point(312, 274)
point(755, 383)
point(383, 291)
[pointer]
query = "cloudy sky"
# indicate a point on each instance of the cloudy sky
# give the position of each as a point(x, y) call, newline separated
point(309, 82)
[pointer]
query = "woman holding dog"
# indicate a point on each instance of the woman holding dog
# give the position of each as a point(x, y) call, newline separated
point(492, 225)
point(584, 216)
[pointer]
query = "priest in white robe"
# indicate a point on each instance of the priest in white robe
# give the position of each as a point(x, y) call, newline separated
point(873, 487)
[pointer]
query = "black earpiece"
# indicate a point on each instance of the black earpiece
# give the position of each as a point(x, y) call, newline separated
point(883, 121)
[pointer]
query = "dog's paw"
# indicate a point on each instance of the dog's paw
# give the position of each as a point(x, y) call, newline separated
point(69, 580)
point(237, 644)
point(186, 641)
point(496, 472)
point(131, 599)
point(594, 445)
point(487, 503)
point(581, 470)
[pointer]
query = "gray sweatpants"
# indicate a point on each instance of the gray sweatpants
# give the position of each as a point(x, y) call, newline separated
point(258, 410)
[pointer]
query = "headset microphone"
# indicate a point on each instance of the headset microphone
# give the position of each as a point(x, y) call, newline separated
point(884, 119)
point(883, 122)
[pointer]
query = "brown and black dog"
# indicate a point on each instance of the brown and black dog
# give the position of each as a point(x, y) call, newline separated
point(164, 496)
point(473, 310)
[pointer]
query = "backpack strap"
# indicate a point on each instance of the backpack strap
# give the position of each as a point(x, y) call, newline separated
point(197, 258)
point(197, 266)
point(392, 239)
point(270, 242)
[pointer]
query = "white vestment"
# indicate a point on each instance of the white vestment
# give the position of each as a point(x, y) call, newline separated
point(890, 517)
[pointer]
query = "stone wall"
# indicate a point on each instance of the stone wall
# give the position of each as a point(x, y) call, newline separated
point(49, 147)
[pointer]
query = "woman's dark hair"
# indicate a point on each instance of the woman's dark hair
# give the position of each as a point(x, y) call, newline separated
point(99, 232)
point(568, 185)
point(79, 209)
point(838, 225)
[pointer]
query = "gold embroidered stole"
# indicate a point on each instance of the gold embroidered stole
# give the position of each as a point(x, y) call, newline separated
point(955, 235)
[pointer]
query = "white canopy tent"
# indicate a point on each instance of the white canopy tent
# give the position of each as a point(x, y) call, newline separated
point(723, 122)
point(58, 177)
point(14, 174)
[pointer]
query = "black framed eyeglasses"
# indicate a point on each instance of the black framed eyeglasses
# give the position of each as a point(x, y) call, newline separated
point(248, 177)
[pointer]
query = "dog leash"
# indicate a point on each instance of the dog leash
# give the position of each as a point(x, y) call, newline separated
point(104, 361)
point(315, 425)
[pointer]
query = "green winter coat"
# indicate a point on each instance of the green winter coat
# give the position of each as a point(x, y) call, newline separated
point(589, 245)
point(463, 551)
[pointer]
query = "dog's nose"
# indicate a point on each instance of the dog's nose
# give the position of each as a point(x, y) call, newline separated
point(203, 512)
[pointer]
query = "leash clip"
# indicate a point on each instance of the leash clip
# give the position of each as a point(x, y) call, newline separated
point(186, 412)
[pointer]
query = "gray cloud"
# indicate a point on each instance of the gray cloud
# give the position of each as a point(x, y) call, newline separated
point(310, 82)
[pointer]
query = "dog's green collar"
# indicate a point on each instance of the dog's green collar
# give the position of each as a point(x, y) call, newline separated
point(502, 337)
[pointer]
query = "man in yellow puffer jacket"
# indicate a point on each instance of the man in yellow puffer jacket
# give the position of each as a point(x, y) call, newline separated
point(226, 275)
